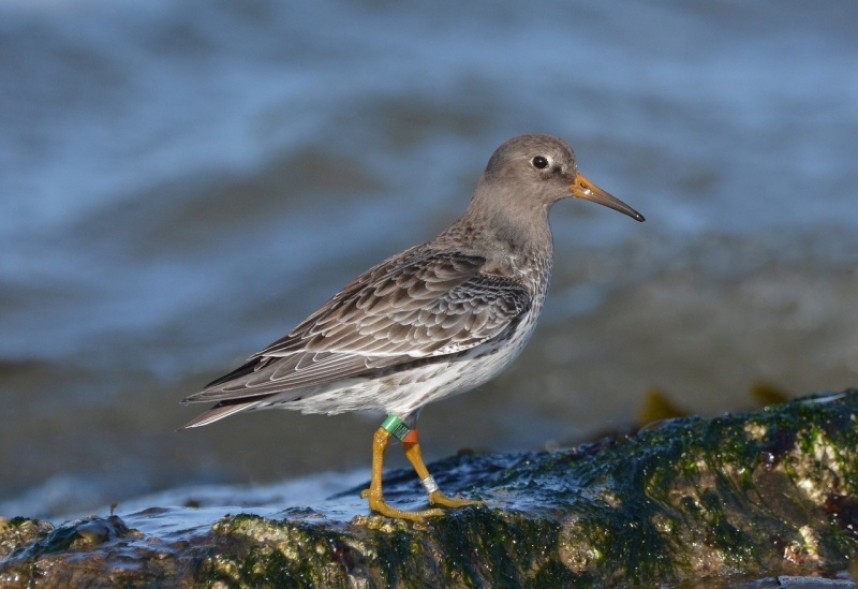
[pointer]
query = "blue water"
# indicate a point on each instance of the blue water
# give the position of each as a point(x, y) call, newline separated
point(181, 183)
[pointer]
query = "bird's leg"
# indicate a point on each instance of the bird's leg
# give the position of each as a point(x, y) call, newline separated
point(411, 446)
point(375, 493)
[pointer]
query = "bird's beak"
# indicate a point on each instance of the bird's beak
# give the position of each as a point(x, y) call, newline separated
point(583, 188)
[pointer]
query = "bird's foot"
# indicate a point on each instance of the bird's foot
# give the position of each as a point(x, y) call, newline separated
point(380, 506)
point(438, 498)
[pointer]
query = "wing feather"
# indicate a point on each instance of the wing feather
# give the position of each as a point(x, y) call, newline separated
point(428, 305)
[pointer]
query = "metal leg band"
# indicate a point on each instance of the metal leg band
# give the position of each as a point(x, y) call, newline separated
point(430, 484)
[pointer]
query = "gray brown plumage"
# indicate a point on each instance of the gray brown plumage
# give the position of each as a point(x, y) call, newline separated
point(438, 319)
point(458, 298)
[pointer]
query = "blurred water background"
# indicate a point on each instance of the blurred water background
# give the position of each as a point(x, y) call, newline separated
point(182, 182)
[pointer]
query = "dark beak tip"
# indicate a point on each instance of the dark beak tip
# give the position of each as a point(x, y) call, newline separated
point(638, 217)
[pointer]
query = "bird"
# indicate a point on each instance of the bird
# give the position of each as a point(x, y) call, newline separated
point(436, 320)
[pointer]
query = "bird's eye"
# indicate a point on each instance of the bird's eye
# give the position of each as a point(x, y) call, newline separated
point(539, 162)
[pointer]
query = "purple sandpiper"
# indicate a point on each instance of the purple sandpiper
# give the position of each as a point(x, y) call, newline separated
point(436, 320)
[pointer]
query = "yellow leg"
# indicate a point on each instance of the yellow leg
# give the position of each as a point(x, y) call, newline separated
point(375, 494)
point(436, 497)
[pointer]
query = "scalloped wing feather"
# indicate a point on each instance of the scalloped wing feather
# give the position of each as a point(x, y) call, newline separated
point(429, 306)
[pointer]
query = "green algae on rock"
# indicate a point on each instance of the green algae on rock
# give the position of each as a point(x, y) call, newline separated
point(766, 493)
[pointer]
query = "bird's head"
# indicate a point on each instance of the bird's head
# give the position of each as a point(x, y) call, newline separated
point(534, 170)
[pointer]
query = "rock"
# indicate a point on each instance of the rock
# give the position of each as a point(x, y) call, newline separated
point(771, 495)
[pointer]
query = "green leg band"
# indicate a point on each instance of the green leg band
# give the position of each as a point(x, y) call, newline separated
point(395, 427)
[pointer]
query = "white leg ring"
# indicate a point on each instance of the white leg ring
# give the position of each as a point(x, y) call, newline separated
point(430, 484)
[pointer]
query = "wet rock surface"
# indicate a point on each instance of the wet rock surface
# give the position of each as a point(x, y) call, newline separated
point(763, 499)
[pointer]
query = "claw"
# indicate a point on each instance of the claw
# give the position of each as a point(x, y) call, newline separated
point(438, 498)
point(381, 507)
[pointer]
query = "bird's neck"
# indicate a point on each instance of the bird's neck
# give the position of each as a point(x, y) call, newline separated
point(525, 234)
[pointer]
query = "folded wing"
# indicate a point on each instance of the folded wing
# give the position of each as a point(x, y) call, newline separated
point(426, 306)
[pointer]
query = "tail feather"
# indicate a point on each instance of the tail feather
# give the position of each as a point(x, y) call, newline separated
point(218, 412)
